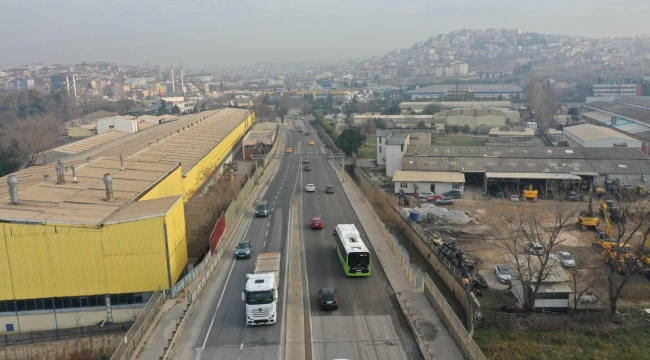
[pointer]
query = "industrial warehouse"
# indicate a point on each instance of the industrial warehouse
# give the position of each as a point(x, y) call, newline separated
point(101, 235)
point(494, 169)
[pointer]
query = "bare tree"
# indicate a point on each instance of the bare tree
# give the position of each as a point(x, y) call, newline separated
point(541, 98)
point(369, 128)
point(516, 226)
point(284, 104)
point(33, 136)
point(628, 219)
point(305, 108)
point(582, 280)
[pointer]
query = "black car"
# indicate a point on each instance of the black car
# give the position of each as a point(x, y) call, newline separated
point(306, 132)
point(329, 189)
point(453, 194)
point(307, 167)
point(327, 299)
point(233, 166)
point(244, 250)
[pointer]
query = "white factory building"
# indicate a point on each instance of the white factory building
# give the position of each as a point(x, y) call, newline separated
point(588, 135)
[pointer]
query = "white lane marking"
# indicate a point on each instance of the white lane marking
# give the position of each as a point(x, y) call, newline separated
point(264, 245)
point(217, 309)
point(270, 216)
point(267, 234)
point(274, 203)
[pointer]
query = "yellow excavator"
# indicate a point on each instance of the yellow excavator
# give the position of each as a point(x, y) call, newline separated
point(606, 241)
point(644, 256)
point(626, 258)
point(587, 219)
point(530, 194)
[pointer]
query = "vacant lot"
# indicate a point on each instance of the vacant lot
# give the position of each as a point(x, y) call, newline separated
point(369, 148)
point(460, 141)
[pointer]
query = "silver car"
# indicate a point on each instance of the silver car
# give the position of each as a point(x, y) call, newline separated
point(503, 273)
point(566, 259)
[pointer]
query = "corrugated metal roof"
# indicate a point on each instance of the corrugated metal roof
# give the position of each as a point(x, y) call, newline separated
point(589, 132)
point(83, 203)
point(428, 176)
point(518, 175)
point(526, 153)
point(90, 143)
point(526, 132)
point(554, 273)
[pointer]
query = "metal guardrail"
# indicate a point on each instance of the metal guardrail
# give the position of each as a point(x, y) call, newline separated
point(133, 336)
point(464, 340)
point(182, 283)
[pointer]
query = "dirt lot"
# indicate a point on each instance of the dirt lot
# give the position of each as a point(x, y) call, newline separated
point(476, 238)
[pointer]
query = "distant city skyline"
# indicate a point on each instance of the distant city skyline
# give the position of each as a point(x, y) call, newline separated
point(202, 35)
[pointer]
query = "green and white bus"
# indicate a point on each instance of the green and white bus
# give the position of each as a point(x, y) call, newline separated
point(353, 253)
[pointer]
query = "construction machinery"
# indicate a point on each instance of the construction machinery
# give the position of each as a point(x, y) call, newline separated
point(605, 240)
point(598, 190)
point(610, 208)
point(641, 191)
point(530, 194)
point(587, 218)
point(626, 259)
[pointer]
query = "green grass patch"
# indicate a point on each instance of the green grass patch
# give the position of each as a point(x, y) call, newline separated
point(617, 344)
point(369, 148)
point(460, 141)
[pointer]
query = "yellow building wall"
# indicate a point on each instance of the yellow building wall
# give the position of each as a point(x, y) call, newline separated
point(176, 240)
point(170, 186)
point(194, 177)
point(40, 261)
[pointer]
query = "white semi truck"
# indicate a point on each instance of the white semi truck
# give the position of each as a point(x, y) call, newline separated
point(261, 294)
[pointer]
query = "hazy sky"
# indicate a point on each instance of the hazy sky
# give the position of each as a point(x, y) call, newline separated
point(224, 33)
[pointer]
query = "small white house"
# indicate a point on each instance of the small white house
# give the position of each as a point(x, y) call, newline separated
point(125, 124)
point(588, 135)
point(554, 291)
point(437, 182)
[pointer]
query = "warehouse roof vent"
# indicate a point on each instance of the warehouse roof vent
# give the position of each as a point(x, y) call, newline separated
point(108, 181)
point(12, 181)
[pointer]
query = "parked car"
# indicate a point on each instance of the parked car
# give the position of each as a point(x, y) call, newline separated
point(316, 223)
point(328, 299)
point(307, 167)
point(434, 198)
point(534, 248)
point(454, 194)
point(566, 259)
point(425, 194)
point(445, 201)
point(503, 273)
point(244, 250)
point(310, 188)
point(329, 189)
point(514, 198)
point(233, 166)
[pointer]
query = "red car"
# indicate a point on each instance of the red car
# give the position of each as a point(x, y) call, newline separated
point(434, 198)
point(316, 223)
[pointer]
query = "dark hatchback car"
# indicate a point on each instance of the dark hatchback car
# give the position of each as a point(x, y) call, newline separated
point(307, 167)
point(327, 299)
point(329, 189)
point(244, 250)
point(453, 194)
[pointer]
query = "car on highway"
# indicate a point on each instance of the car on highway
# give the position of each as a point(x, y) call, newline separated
point(288, 151)
point(434, 198)
point(310, 188)
point(306, 132)
point(454, 194)
point(316, 223)
point(566, 259)
point(244, 250)
point(534, 248)
point(312, 143)
point(425, 194)
point(328, 299)
point(299, 130)
point(307, 167)
point(445, 201)
point(329, 189)
point(504, 275)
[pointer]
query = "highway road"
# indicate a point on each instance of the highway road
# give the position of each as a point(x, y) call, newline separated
point(368, 324)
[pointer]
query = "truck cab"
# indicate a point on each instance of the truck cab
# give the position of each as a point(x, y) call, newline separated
point(261, 292)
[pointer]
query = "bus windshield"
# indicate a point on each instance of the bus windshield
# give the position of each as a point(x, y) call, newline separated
point(259, 297)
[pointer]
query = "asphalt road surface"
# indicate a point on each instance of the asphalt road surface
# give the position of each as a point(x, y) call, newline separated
point(368, 324)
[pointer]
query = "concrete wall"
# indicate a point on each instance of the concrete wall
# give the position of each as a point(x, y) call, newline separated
point(394, 156)
point(65, 319)
point(93, 347)
point(381, 150)
point(472, 122)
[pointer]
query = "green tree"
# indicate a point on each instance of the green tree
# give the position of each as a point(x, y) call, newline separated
point(379, 123)
point(429, 109)
point(465, 129)
point(421, 124)
point(455, 129)
point(203, 106)
point(162, 110)
point(350, 140)
point(176, 110)
point(447, 129)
